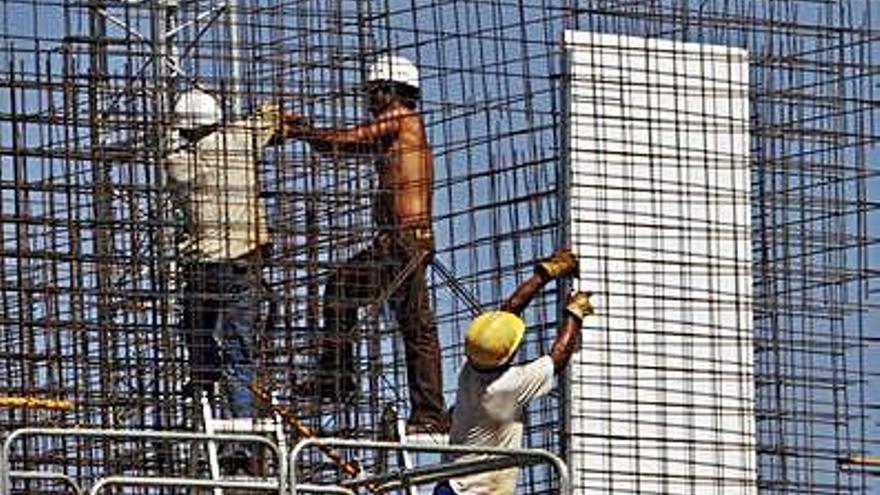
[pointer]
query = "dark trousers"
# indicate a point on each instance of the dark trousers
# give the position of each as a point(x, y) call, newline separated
point(444, 489)
point(224, 307)
point(358, 283)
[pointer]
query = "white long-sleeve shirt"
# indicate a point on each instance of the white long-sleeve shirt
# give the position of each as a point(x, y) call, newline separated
point(216, 189)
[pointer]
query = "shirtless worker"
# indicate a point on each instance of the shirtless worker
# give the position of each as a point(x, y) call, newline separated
point(397, 139)
point(493, 393)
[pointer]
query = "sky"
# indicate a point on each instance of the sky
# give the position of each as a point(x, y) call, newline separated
point(471, 93)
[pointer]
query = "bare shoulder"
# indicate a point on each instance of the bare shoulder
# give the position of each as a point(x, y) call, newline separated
point(401, 112)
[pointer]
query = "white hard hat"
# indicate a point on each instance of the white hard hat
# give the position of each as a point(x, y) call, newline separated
point(394, 69)
point(196, 108)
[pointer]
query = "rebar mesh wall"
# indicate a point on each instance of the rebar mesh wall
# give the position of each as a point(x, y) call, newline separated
point(90, 303)
point(660, 207)
point(812, 142)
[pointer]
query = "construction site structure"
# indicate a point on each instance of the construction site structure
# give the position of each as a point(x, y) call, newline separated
point(551, 123)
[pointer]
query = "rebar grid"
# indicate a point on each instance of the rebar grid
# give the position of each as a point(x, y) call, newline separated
point(91, 300)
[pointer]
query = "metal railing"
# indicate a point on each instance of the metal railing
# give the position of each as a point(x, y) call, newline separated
point(47, 476)
point(6, 473)
point(200, 483)
point(188, 482)
point(500, 458)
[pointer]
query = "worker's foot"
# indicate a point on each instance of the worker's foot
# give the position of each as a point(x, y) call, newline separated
point(428, 426)
point(427, 433)
point(426, 429)
point(562, 264)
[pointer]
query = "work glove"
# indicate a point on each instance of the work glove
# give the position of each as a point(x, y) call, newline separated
point(270, 113)
point(579, 304)
point(562, 264)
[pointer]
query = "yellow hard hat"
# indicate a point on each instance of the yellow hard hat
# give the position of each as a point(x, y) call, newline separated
point(493, 339)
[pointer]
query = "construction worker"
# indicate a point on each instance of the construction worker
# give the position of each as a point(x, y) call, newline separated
point(213, 175)
point(492, 392)
point(404, 243)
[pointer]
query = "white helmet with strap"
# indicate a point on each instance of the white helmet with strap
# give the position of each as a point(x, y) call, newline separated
point(196, 108)
point(391, 68)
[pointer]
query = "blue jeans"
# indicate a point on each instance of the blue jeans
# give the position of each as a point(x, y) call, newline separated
point(224, 308)
point(444, 489)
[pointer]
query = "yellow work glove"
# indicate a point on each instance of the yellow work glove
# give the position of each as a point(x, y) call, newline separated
point(579, 304)
point(562, 264)
point(270, 113)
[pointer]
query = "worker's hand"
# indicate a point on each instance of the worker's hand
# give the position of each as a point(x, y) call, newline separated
point(295, 124)
point(579, 304)
point(562, 264)
point(270, 113)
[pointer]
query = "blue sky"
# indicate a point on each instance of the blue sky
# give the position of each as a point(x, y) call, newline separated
point(474, 71)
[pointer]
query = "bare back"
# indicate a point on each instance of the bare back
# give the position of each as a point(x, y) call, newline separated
point(397, 137)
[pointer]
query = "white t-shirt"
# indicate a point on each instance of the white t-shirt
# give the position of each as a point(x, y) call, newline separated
point(489, 413)
point(215, 188)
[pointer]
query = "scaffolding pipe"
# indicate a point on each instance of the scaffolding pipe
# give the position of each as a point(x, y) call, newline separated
point(5, 482)
point(405, 478)
point(195, 483)
point(235, 56)
point(538, 455)
point(36, 475)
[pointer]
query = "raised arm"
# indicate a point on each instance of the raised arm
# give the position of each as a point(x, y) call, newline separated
point(569, 337)
point(561, 264)
point(524, 293)
point(526, 382)
point(360, 139)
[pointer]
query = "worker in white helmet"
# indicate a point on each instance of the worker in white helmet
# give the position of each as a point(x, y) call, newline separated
point(396, 138)
point(223, 236)
point(493, 392)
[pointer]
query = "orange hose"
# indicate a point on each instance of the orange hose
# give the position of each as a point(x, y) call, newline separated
point(350, 468)
point(35, 403)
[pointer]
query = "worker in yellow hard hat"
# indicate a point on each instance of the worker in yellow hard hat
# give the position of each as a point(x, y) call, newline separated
point(493, 392)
